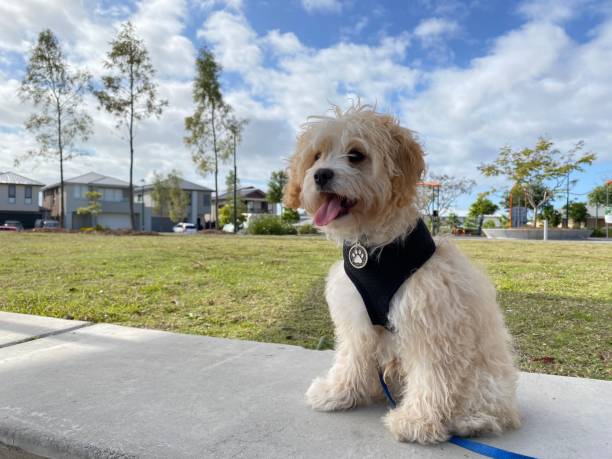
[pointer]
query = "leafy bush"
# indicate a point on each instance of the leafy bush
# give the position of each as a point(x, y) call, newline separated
point(270, 224)
point(307, 229)
point(551, 214)
point(470, 223)
point(291, 215)
point(226, 215)
point(599, 232)
point(489, 224)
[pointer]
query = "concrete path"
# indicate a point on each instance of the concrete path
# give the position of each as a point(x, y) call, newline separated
point(17, 328)
point(106, 391)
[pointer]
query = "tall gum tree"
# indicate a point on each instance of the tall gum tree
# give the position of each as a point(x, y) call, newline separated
point(129, 92)
point(57, 92)
point(209, 130)
point(276, 185)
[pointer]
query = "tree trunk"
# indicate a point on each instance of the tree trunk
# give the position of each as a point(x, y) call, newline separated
point(61, 190)
point(235, 180)
point(131, 189)
point(60, 148)
point(216, 164)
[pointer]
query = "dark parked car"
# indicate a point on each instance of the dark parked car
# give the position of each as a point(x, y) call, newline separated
point(46, 224)
point(13, 224)
point(51, 224)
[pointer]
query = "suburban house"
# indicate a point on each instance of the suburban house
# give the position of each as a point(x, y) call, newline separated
point(19, 199)
point(254, 200)
point(115, 212)
point(198, 210)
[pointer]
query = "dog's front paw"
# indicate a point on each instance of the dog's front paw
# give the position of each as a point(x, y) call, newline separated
point(325, 396)
point(407, 428)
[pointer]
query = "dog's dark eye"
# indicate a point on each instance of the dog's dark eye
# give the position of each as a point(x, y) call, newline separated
point(317, 156)
point(355, 156)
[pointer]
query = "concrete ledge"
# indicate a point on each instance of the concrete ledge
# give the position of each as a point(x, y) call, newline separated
point(17, 328)
point(108, 391)
point(537, 233)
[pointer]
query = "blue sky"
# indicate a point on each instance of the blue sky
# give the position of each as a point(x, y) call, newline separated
point(468, 77)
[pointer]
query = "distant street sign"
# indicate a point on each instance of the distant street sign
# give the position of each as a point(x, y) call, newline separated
point(608, 214)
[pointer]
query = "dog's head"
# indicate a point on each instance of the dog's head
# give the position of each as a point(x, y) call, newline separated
point(356, 173)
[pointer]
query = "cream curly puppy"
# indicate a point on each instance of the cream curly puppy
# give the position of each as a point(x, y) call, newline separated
point(441, 342)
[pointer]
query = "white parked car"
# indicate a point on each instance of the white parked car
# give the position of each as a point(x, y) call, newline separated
point(187, 228)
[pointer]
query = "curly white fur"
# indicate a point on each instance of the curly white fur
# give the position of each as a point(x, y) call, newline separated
point(449, 359)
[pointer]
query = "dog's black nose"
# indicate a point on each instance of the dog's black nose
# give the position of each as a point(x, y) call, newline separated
point(322, 176)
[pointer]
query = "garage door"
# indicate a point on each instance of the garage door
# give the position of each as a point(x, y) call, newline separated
point(113, 221)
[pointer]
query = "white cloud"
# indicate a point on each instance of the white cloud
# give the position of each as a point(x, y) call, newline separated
point(432, 31)
point(161, 23)
point(208, 5)
point(234, 41)
point(322, 6)
point(20, 22)
point(435, 27)
point(355, 29)
point(552, 10)
point(283, 43)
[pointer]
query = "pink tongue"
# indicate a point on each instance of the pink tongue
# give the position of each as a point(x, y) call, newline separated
point(328, 211)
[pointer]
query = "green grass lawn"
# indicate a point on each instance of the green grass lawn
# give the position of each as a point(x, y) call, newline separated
point(557, 297)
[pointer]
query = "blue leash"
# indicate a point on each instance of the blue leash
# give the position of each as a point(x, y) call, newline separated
point(474, 446)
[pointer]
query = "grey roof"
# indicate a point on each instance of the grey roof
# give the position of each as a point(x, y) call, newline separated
point(185, 185)
point(12, 178)
point(245, 192)
point(93, 178)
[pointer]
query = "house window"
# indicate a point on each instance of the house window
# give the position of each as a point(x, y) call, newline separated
point(12, 194)
point(79, 191)
point(207, 199)
point(113, 194)
point(28, 194)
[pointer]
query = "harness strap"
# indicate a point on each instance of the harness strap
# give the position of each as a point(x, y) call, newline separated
point(471, 445)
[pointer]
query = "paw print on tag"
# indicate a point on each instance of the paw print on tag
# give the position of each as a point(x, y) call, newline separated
point(358, 256)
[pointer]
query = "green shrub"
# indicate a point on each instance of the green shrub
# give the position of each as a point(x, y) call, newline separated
point(307, 229)
point(291, 215)
point(489, 224)
point(470, 223)
point(599, 232)
point(226, 215)
point(270, 224)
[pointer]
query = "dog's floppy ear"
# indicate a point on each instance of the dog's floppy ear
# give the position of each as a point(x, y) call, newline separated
point(293, 189)
point(409, 165)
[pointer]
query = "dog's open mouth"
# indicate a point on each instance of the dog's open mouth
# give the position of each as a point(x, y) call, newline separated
point(332, 208)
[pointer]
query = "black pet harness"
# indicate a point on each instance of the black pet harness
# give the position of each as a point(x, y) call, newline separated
point(378, 275)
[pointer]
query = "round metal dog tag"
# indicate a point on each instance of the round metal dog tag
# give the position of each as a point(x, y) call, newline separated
point(358, 256)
